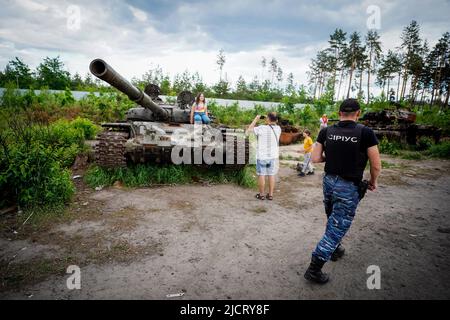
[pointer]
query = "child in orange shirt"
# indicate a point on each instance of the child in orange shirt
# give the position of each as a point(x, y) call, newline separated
point(307, 168)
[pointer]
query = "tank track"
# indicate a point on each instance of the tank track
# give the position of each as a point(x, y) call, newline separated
point(235, 165)
point(110, 149)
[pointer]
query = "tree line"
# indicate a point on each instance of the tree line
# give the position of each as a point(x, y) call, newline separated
point(351, 65)
point(52, 74)
point(413, 72)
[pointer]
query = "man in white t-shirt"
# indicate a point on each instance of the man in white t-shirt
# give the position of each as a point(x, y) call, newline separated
point(267, 155)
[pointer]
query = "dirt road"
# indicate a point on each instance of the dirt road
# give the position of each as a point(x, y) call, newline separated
point(219, 242)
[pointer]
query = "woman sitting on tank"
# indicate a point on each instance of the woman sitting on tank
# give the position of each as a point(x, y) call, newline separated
point(199, 111)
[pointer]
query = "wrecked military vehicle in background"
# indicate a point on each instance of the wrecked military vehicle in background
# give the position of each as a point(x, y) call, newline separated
point(399, 125)
point(289, 133)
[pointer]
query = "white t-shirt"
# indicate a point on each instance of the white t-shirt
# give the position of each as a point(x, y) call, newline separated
point(267, 147)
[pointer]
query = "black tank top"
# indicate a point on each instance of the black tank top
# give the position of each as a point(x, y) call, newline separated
point(343, 154)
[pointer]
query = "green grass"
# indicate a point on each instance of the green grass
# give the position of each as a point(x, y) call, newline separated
point(388, 165)
point(289, 157)
point(387, 147)
point(441, 150)
point(425, 148)
point(411, 155)
point(36, 216)
point(150, 175)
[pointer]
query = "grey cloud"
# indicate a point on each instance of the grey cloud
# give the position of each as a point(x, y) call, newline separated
point(242, 25)
point(298, 29)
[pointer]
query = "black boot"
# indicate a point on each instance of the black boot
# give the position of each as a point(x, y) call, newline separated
point(338, 253)
point(314, 272)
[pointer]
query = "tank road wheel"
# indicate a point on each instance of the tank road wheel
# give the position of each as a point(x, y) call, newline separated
point(234, 150)
point(110, 149)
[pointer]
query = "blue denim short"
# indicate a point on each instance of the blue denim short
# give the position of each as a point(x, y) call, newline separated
point(201, 117)
point(266, 167)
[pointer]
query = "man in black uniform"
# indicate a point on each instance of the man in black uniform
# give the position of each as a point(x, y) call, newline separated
point(347, 147)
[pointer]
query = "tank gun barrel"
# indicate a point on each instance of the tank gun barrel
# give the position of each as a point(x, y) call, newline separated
point(105, 72)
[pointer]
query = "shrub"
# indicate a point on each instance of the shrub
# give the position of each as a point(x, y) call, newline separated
point(307, 116)
point(34, 158)
point(424, 143)
point(33, 176)
point(287, 106)
point(434, 116)
point(65, 138)
point(88, 128)
point(233, 115)
point(59, 134)
point(411, 155)
point(389, 147)
point(441, 150)
point(106, 106)
point(66, 155)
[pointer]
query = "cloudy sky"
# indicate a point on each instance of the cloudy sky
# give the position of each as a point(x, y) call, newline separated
point(136, 35)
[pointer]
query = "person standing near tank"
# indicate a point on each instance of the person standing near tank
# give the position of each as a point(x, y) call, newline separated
point(307, 168)
point(199, 110)
point(345, 148)
point(267, 152)
point(323, 121)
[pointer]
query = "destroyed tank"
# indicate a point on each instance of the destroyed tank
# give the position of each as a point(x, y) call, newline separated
point(158, 132)
point(399, 125)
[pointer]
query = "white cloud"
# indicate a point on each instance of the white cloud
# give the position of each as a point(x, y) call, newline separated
point(31, 5)
point(138, 14)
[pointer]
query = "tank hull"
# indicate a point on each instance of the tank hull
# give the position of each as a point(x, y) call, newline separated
point(171, 143)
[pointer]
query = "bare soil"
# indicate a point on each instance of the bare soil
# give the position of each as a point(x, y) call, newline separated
point(219, 242)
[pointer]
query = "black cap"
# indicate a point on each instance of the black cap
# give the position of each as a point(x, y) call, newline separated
point(349, 105)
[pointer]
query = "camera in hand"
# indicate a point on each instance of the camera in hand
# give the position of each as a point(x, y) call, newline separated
point(262, 117)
